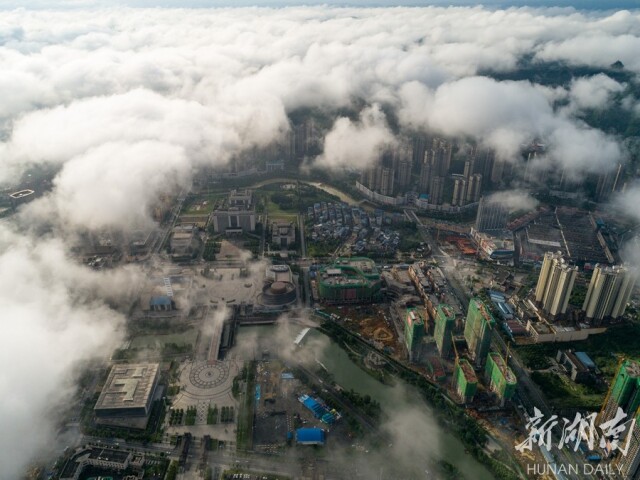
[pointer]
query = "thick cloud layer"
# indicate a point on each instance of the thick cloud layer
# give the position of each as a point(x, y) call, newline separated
point(128, 103)
point(356, 144)
point(209, 83)
point(53, 318)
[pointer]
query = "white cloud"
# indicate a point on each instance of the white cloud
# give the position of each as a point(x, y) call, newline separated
point(593, 92)
point(356, 144)
point(52, 321)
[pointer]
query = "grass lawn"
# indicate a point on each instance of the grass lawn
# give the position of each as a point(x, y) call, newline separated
point(274, 209)
point(157, 341)
point(284, 217)
point(197, 206)
point(564, 393)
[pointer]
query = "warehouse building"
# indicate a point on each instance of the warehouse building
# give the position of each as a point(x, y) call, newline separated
point(310, 436)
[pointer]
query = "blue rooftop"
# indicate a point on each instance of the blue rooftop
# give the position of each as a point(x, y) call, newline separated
point(160, 301)
point(310, 435)
point(585, 359)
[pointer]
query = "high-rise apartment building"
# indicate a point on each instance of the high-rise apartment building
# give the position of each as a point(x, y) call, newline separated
point(555, 284)
point(444, 324)
point(608, 293)
point(477, 330)
point(403, 173)
point(474, 188)
point(491, 216)
point(436, 190)
point(440, 156)
point(379, 179)
point(459, 191)
point(425, 178)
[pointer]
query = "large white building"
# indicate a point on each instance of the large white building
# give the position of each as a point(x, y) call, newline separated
point(555, 284)
point(608, 292)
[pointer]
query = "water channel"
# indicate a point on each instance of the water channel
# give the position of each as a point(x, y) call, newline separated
point(411, 419)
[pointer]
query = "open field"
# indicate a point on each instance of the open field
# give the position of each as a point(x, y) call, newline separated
point(202, 204)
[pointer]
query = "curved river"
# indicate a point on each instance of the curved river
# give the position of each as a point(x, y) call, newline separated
point(411, 419)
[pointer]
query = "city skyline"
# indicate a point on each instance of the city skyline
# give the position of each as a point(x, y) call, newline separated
point(174, 174)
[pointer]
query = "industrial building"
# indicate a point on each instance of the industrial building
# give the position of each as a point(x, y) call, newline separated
point(444, 324)
point(128, 394)
point(498, 245)
point(349, 280)
point(310, 436)
point(466, 382)
point(578, 364)
point(414, 330)
point(478, 330)
point(576, 233)
point(491, 216)
point(499, 377)
point(608, 293)
point(236, 215)
point(555, 284)
point(319, 409)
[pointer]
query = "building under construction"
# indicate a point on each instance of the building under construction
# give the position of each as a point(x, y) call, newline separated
point(465, 380)
point(414, 330)
point(624, 394)
point(477, 330)
point(445, 322)
point(350, 280)
point(499, 377)
point(628, 466)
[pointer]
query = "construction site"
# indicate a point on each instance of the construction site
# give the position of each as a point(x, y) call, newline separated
point(499, 377)
point(284, 404)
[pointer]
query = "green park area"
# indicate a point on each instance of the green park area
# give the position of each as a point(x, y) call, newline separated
point(158, 345)
point(289, 198)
